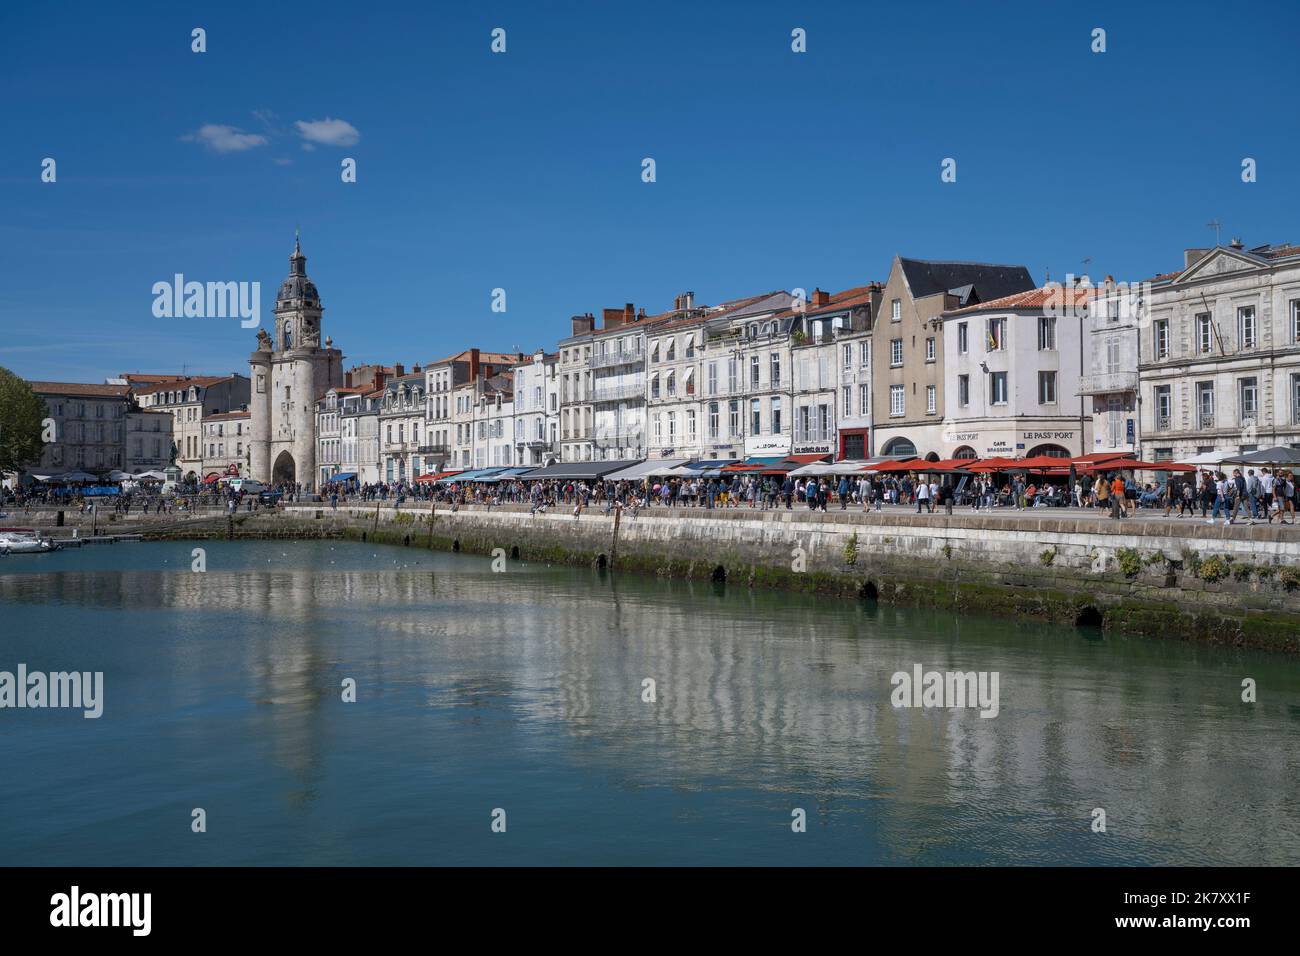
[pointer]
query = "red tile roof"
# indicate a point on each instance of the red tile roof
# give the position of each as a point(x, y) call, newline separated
point(1033, 299)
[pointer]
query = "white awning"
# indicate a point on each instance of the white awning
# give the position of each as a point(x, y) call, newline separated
point(1209, 458)
point(644, 469)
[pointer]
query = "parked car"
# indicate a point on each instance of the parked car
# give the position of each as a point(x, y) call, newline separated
point(246, 485)
point(269, 497)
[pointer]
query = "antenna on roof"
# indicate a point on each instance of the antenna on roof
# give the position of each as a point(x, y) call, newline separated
point(1216, 226)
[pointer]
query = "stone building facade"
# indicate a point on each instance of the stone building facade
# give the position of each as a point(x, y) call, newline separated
point(1220, 365)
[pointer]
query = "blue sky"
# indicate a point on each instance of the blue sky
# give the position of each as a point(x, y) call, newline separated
point(523, 171)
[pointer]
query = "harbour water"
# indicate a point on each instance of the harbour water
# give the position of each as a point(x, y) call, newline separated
point(524, 691)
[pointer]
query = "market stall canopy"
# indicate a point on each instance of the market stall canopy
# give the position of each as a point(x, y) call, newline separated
point(150, 476)
point(75, 476)
point(644, 469)
point(1207, 458)
point(345, 476)
point(1280, 455)
point(578, 470)
point(116, 475)
point(212, 478)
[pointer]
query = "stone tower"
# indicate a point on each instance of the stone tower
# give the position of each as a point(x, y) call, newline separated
point(289, 372)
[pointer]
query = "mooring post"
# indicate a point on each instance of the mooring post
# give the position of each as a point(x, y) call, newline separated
point(613, 546)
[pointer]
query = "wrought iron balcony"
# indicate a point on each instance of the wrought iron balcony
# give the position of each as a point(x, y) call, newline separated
point(1108, 382)
point(618, 393)
point(610, 359)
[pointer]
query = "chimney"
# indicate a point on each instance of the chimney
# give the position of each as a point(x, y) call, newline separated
point(611, 318)
point(582, 324)
point(820, 298)
point(379, 379)
point(347, 379)
point(473, 364)
point(640, 313)
point(629, 313)
point(1237, 244)
point(688, 301)
point(1193, 256)
point(677, 303)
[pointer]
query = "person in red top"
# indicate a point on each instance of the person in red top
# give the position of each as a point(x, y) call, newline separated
point(1117, 497)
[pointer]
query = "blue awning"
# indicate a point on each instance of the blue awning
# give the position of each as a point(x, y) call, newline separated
point(346, 476)
point(465, 476)
point(504, 475)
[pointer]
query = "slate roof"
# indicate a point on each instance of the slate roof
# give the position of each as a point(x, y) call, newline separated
point(972, 282)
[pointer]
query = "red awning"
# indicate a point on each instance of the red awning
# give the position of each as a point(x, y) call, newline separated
point(212, 477)
point(425, 479)
point(1132, 464)
point(1098, 456)
point(913, 464)
point(1038, 462)
point(797, 460)
point(992, 464)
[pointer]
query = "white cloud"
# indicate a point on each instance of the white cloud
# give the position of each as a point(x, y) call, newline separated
point(328, 132)
point(224, 139)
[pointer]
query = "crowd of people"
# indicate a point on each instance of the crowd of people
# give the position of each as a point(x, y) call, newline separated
point(1263, 495)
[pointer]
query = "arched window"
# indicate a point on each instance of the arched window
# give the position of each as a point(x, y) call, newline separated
point(1051, 451)
point(899, 446)
point(965, 452)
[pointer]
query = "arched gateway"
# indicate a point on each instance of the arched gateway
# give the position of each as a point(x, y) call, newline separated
point(284, 472)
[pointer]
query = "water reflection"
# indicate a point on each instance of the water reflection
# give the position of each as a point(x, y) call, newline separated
point(763, 700)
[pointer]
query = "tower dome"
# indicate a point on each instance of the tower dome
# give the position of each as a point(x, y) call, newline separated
point(297, 287)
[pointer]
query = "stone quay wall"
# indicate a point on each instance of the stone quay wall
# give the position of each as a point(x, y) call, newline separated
point(1235, 585)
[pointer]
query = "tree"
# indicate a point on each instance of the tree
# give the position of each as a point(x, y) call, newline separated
point(22, 413)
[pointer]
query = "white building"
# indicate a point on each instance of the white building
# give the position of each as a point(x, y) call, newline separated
point(577, 423)
point(674, 349)
point(1011, 376)
point(618, 385)
point(537, 410)
point(1115, 317)
point(1220, 363)
point(745, 378)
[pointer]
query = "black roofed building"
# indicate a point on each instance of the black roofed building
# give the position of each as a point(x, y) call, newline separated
point(907, 360)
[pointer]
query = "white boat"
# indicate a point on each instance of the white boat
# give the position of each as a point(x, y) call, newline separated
point(25, 541)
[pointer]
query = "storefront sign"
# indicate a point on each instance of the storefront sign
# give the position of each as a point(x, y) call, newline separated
point(767, 445)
